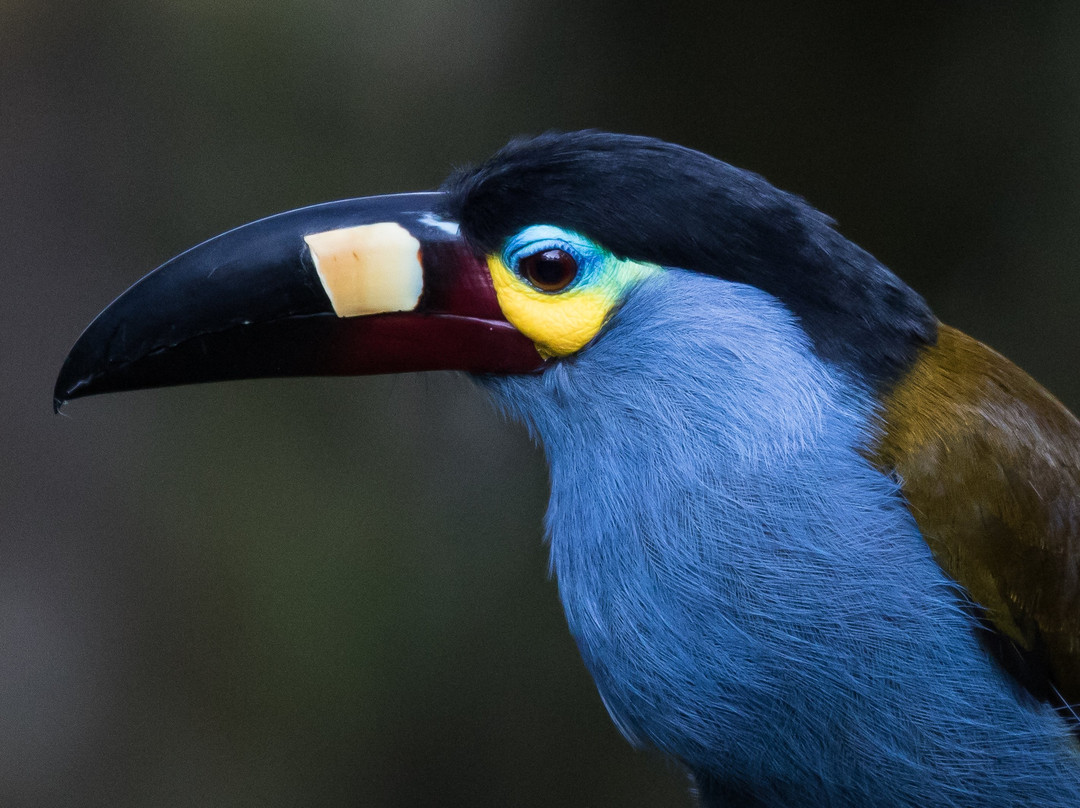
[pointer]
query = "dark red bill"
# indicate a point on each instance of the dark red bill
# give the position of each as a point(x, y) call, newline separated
point(250, 304)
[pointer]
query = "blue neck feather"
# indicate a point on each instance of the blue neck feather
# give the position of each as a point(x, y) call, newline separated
point(750, 595)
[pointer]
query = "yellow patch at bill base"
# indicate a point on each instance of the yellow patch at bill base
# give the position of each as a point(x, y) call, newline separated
point(368, 269)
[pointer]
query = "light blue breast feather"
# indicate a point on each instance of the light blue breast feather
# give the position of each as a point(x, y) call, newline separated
point(749, 594)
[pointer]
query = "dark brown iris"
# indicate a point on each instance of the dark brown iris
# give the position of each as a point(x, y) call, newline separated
point(549, 270)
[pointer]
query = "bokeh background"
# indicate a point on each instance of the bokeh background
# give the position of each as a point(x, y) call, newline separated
point(333, 592)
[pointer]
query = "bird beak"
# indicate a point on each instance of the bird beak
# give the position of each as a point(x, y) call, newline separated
point(361, 286)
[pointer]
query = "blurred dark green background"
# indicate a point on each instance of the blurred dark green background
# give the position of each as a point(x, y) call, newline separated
point(333, 592)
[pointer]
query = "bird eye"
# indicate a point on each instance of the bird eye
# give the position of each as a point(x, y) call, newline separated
point(549, 270)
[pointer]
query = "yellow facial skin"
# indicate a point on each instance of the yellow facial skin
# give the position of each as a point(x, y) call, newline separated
point(561, 323)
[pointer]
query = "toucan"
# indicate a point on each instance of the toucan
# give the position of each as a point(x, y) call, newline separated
point(815, 545)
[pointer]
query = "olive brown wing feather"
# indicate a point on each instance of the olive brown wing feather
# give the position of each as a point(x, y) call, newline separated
point(989, 463)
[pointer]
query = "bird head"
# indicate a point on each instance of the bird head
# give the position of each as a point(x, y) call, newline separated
point(512, 267)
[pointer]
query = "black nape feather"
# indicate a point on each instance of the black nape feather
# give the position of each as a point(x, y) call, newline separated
point(648, 200)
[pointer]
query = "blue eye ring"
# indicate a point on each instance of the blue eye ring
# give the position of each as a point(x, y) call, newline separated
point(548, 258)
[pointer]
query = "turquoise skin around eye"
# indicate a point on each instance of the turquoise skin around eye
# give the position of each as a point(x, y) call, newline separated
point(591, 257)
point(562, 322)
